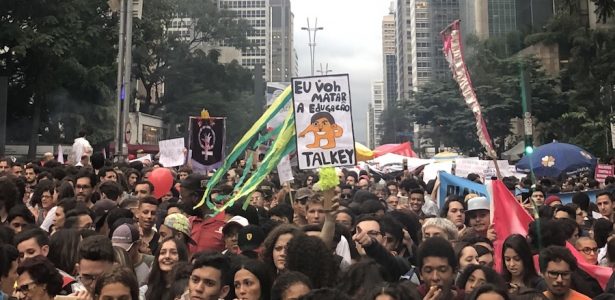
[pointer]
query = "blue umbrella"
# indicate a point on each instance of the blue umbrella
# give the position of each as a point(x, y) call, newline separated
point(555, 159)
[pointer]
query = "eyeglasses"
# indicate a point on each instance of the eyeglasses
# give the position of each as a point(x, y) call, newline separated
point(25, 288)
point(86, 279)
point(555, 275)
point(588, 250)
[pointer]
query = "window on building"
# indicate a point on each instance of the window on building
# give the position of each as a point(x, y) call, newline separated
point(151, 135)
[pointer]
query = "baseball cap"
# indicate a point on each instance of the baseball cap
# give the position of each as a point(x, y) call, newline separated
point(179, 223)
point(235, 222)
point(125, 236)
point(250, 237)
point(266, 188)
point(195, 182)
point(304, 192)
point(101, 208)
point(478, 203)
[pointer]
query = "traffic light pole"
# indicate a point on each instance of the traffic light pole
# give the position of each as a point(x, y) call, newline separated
point(526, 105)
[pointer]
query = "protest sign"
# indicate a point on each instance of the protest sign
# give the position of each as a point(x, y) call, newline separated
point(285, 172)
point(145, 159)
point(172, 152)
point(431, 170)
point(453, 185)
point(323, 121)
point(207, 142)
point(602, 172)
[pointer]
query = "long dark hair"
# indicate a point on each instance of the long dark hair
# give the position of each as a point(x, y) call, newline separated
point(492, 276)
point(258, 269)
point(64, 249)
point(518, 243)
point(272, 238)
point(158, 282)
point(447, 204)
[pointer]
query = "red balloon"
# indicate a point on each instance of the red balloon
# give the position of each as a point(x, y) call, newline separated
point(162, 179)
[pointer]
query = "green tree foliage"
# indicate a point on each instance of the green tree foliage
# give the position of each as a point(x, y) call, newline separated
point(160, 48)
point(59, 58)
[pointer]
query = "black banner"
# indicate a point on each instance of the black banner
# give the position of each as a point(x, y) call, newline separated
point(207, 142)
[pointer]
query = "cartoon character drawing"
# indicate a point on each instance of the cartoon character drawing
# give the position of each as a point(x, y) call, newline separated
point(324, 128)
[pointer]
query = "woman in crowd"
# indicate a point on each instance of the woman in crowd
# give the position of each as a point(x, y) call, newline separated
point(38, 279)
point(118, 283)
point(275, 246)
point(168, 254)
point(518, 266)
point(310, 256)
point(489, 292)
point(290, 285)
point(252, 280)
point(65, 205)
point(466, 255)
point(476, 275)
point(64, 249)
point(43, 199)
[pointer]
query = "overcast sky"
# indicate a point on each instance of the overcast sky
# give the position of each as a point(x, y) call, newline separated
point(351, 42)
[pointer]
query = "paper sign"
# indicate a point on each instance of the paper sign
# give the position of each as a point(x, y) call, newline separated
point(285, 172)
point(172, 152)
point(602, 172)
point(145, 159)
point(431, 170)
point(323, 121)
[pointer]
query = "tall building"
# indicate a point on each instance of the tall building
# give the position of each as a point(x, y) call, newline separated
point(389, 60)
point(371, 127)
point(281, 54)
point(257, 13)
point(378, 105)
point(419, 45)
point(497, 18)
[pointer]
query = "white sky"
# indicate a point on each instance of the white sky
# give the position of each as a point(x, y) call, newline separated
point(351, 42)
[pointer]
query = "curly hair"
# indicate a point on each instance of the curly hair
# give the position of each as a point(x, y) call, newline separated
point(42, 271)
point(363, 277)
point(310, 256)
point(491, 275)
point(118, 274)
point(272, 238)
point(285, 281)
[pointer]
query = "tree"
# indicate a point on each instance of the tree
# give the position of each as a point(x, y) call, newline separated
point(54, 51)
point(160, 48)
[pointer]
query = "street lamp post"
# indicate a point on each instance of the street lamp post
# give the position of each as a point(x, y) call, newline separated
point(325, 71)
point(312, 39)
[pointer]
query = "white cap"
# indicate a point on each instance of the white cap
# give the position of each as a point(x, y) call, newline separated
point(239, 220)
point(478, 203)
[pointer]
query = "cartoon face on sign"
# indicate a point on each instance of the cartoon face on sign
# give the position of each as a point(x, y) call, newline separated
point(322, 125)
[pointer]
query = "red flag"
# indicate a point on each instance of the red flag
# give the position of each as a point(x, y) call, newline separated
point(404, 149)
point(510, 217)
point(453, 52)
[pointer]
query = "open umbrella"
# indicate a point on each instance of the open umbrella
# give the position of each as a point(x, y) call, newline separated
point(555, 159)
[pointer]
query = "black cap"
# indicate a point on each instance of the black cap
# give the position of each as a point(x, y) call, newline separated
point(250, 238)
point(195, 182)
point(249, 213)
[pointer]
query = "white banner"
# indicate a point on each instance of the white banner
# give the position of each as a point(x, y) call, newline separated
point(172, 152)
point(285, 172)
point(323, 121)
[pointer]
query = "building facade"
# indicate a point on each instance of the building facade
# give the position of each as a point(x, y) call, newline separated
point(378, 105)
point(281, 54)
point(389, 60)
point(403, 45)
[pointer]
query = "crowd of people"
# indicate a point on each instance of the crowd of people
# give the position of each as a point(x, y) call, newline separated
point(95, 231)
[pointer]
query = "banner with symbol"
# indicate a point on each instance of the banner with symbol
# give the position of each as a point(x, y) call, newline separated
point(207, 143)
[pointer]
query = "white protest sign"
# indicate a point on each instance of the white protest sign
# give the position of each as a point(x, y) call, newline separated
point(172, 152)
point(285, 172)
point(431, 170)
point(465, 166)
point(145, 159)
point(323, 121)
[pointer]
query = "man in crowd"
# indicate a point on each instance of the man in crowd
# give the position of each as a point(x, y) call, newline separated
point(557, 265)
point(84, 187)
point(95, 257)
point(143, 189)
point(126, 236)
point(5, 165)
point(477, 215)
point(604, 201)
point(147, 218)
point(206, 229)
point(437, 265)
point(211, 278)
point(416, 201)
point(32, 242)
point(107, 174)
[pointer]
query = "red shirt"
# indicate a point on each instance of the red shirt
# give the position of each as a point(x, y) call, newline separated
point(207, 233)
